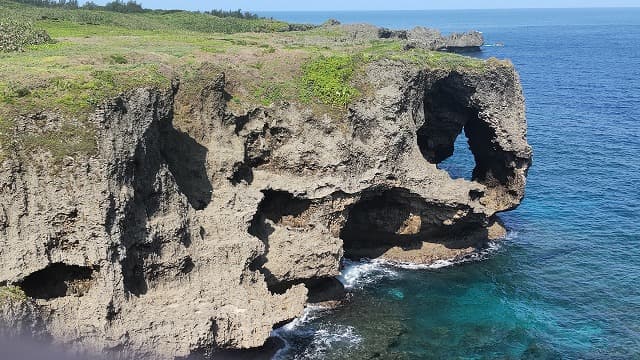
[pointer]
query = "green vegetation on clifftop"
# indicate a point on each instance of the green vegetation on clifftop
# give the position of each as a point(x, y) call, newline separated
point(328, 79)
point(96, 55)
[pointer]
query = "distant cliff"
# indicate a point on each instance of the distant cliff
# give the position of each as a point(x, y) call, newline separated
point(195, 225)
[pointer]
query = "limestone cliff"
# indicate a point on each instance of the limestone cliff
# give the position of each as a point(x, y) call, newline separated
point(192, 238)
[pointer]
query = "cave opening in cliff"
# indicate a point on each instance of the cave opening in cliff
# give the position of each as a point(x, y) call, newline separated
point(381, 220)
point(448, 137)
point(277, 207)
point(57, 280)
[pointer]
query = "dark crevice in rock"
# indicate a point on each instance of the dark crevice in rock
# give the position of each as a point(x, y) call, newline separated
point(279, 207)
point(133, 272)
point(260, 144)
point(325, 289)
point(112, 312)
point(276, 287)
point(58, 280)
point(143, 170)
point(139, 271)
point(241, 121)
point(241, 173)
point(186, 265)
point(320, 289)
point(110, 218)
point(258, 147)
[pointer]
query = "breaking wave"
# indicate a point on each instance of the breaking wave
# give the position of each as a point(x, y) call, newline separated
point(316, 338)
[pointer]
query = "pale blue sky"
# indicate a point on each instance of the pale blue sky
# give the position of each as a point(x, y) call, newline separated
point(272, 5)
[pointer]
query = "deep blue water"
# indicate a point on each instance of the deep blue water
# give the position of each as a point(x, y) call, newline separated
point(566, 284)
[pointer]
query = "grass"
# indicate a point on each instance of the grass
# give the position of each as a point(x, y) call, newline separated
point(11, 294)
point(98, 55)
point(328, 79)
point(149, 21)
point(269, 93)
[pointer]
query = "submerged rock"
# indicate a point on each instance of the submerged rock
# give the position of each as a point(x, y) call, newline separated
point(200, 237)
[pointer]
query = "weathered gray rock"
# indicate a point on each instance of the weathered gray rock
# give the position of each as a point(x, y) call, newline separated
point(418, 37)
point(432, 39)
point(192, 239)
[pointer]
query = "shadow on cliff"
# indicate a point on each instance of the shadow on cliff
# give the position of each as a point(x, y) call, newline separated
point(162, 154)
point(396, 218)
point(187, 162)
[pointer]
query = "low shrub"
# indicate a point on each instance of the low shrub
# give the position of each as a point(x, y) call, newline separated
point(17, 35)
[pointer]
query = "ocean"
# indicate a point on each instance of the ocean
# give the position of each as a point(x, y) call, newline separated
point(565, 284)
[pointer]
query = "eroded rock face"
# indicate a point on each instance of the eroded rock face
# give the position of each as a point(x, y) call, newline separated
point(192, 238)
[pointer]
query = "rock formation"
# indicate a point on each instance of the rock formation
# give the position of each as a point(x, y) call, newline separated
point(432, 39)
point(200, 237)
point(418, 37)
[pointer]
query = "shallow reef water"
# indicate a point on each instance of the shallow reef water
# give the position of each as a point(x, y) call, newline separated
point(566, 283)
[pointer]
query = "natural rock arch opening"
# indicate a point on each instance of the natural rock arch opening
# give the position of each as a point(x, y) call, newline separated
point(460, 165)
point(450, 110)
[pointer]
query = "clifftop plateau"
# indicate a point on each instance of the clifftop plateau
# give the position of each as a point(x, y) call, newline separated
point(179, 195)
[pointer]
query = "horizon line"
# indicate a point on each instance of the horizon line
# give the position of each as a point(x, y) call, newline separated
point(453, 9)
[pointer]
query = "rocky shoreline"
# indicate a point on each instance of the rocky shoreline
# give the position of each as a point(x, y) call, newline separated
point(190, 239)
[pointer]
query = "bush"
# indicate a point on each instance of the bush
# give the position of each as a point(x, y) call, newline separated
point(11, 294)
point(16, 35)
point(67, 4)
point(234, 13)
point(124, 7)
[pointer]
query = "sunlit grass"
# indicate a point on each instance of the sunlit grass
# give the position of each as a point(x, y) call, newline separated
point(98, 55)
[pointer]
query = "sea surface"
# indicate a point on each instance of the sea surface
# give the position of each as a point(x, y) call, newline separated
point(566, 282)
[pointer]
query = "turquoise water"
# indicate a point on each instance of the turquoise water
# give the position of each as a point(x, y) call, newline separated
point(566, 284)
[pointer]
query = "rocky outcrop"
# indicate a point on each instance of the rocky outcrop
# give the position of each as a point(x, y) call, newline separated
point(431, 39)
point(418, 37)
point(199, 236)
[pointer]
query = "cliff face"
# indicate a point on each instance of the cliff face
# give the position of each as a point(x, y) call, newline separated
point(177, 239)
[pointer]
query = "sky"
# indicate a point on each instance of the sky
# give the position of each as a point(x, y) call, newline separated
point(307, 5)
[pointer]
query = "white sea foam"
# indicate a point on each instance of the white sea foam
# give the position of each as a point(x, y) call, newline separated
point(329, 336)
point(356, 275)
point(318, 339)
point(477, 255)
